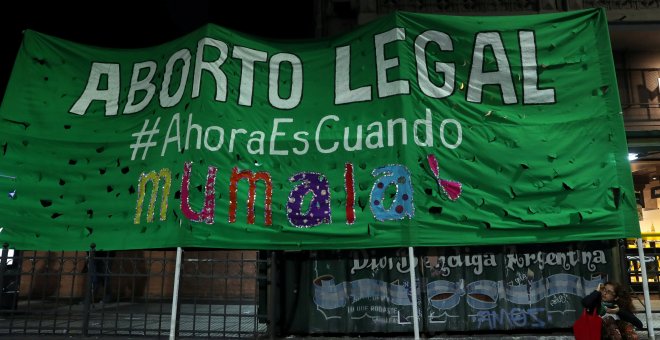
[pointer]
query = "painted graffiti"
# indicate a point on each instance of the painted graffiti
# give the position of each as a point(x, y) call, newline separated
point(518, 317)
point(483, 291)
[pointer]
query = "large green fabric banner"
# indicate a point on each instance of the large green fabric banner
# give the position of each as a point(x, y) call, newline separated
point(415, 129)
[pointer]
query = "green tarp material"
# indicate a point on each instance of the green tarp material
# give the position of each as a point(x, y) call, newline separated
point(414, 130)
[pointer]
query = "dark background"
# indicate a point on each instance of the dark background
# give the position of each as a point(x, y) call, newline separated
point(136, 24)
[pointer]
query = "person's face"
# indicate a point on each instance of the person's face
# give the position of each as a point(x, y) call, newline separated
point(607, 292)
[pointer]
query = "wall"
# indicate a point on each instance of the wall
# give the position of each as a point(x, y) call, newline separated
point(225, 275)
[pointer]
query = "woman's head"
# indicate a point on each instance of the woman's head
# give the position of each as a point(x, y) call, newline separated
point(617, 293)
point(608, 291)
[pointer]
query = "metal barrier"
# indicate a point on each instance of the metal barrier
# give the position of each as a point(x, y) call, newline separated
point(129, 293)
point(651, 260)
point(222, 293)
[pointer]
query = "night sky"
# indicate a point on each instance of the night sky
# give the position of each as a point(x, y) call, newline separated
point(133, 24)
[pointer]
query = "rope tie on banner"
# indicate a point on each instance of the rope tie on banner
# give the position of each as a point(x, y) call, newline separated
point(7, 176)
point(11, 194)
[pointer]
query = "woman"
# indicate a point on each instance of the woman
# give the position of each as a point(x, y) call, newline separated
point(615, 307)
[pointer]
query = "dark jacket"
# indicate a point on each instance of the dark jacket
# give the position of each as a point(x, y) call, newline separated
point(594, 300)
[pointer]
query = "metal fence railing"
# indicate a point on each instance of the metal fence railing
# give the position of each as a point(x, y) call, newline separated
point(651, 260)
point(129, 293)
point(640, 94)
point(222, 294)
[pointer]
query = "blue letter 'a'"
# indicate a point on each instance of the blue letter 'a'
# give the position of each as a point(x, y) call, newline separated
point(402, 206)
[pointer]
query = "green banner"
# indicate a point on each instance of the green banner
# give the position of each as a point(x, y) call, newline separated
point(413, 130)
point(458, 288)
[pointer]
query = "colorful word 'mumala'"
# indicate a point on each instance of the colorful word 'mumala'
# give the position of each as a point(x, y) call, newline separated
point(316, 212)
